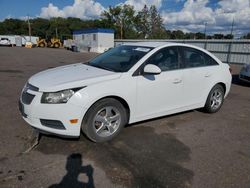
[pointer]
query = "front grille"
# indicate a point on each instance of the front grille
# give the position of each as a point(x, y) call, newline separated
point(27, 98)
point(52, 124)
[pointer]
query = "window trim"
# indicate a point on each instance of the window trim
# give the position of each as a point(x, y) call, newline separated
point(139, 70)
point(181, 48)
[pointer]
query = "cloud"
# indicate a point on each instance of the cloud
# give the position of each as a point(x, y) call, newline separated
point(84, 9)
point(139, 4)
point(196, 13)
point(192, 17)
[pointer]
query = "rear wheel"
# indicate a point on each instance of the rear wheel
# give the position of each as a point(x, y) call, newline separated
point(104, 120)
point(42, 45)
point(215, 99)
point(56, 45)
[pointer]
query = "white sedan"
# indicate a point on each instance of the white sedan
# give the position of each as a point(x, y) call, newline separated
point(245, 73)
point(126, 84)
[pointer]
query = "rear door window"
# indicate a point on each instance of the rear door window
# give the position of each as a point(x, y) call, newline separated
point(196, 58)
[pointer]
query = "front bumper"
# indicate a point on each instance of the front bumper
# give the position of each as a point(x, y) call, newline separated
point(52, 118)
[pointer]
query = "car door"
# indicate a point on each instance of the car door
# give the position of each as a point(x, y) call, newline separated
point(197, 75)
point(158, 94)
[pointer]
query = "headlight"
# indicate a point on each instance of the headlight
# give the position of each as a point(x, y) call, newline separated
point(57, 97)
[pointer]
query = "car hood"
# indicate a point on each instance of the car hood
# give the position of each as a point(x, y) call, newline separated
point(70, 76)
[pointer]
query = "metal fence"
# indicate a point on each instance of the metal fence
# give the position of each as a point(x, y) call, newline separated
point(228, 51)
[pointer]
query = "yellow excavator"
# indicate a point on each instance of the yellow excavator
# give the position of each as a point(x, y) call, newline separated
point(52, 43)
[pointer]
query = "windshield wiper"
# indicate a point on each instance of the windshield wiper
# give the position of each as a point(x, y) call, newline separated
point(102, 67)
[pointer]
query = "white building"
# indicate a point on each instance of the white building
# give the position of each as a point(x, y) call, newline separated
point(94, 40)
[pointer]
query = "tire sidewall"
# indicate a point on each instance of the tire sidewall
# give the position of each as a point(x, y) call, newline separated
point(87, 124)
point(208, 107)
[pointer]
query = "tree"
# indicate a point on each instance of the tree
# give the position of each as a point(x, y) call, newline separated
point(122, 17)
point(142, 24)
point(247, 36)
point(199, 35)
point(177, 34)
point(40, 27)
point(156, 24)
point(228, 36)
point(218, 36)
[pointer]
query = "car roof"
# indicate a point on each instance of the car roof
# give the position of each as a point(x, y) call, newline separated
point(148, 44)
point(165, 44)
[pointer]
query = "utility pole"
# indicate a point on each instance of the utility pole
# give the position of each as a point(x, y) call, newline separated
point(205, 37)
point(205, 30)
point(56, 33)
point(230, 44)
point(29, 27)
point(232, 27)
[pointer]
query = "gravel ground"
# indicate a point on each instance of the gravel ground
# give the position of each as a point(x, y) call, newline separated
point(191, 149)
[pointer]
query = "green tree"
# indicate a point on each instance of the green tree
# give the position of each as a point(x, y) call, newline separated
point(39, 27)
point(122, 19)
point(178, 34)
point(157, 29)
point(218, 36)
point(199, 35)
point(228, 36)
point(142, 23)
point(247, 36)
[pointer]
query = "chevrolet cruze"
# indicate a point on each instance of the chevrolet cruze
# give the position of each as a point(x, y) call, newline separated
point(126, 84)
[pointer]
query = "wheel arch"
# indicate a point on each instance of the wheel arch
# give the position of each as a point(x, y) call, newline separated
point(118, 98)
point(223, 85)
point(211, 87)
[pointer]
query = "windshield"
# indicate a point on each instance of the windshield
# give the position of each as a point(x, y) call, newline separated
point(120, 59)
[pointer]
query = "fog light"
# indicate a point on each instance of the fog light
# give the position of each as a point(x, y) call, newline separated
point(73, 121)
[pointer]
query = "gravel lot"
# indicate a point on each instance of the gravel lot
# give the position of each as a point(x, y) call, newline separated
point(191, 149)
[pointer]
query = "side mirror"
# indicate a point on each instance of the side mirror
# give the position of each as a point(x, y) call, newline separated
point(151, 69)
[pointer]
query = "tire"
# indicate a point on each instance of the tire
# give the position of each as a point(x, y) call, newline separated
point(215, 99)
point(56, 45)
point(104, 120)
point(42, 45)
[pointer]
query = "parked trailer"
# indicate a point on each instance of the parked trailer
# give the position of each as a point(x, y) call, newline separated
point(20, 40)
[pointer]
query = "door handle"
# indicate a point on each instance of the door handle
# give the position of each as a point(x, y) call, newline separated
point(207, 75)
point(177, 81)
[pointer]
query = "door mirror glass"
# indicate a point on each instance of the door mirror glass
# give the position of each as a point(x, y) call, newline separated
point(151, 69)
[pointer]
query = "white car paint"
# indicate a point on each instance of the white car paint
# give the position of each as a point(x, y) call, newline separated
point(147, 96)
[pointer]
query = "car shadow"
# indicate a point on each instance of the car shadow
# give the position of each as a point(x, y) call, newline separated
point(74, 168)
point(237, 81)
point(138, 157)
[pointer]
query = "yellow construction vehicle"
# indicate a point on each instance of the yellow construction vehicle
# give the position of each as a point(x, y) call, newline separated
point(52, 43)
point(41, 43)
point(55, 43)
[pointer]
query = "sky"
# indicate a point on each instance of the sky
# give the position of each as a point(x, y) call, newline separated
point(186, 15)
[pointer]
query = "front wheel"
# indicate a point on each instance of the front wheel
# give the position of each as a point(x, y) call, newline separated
point(104, 120)
point(215, 99)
